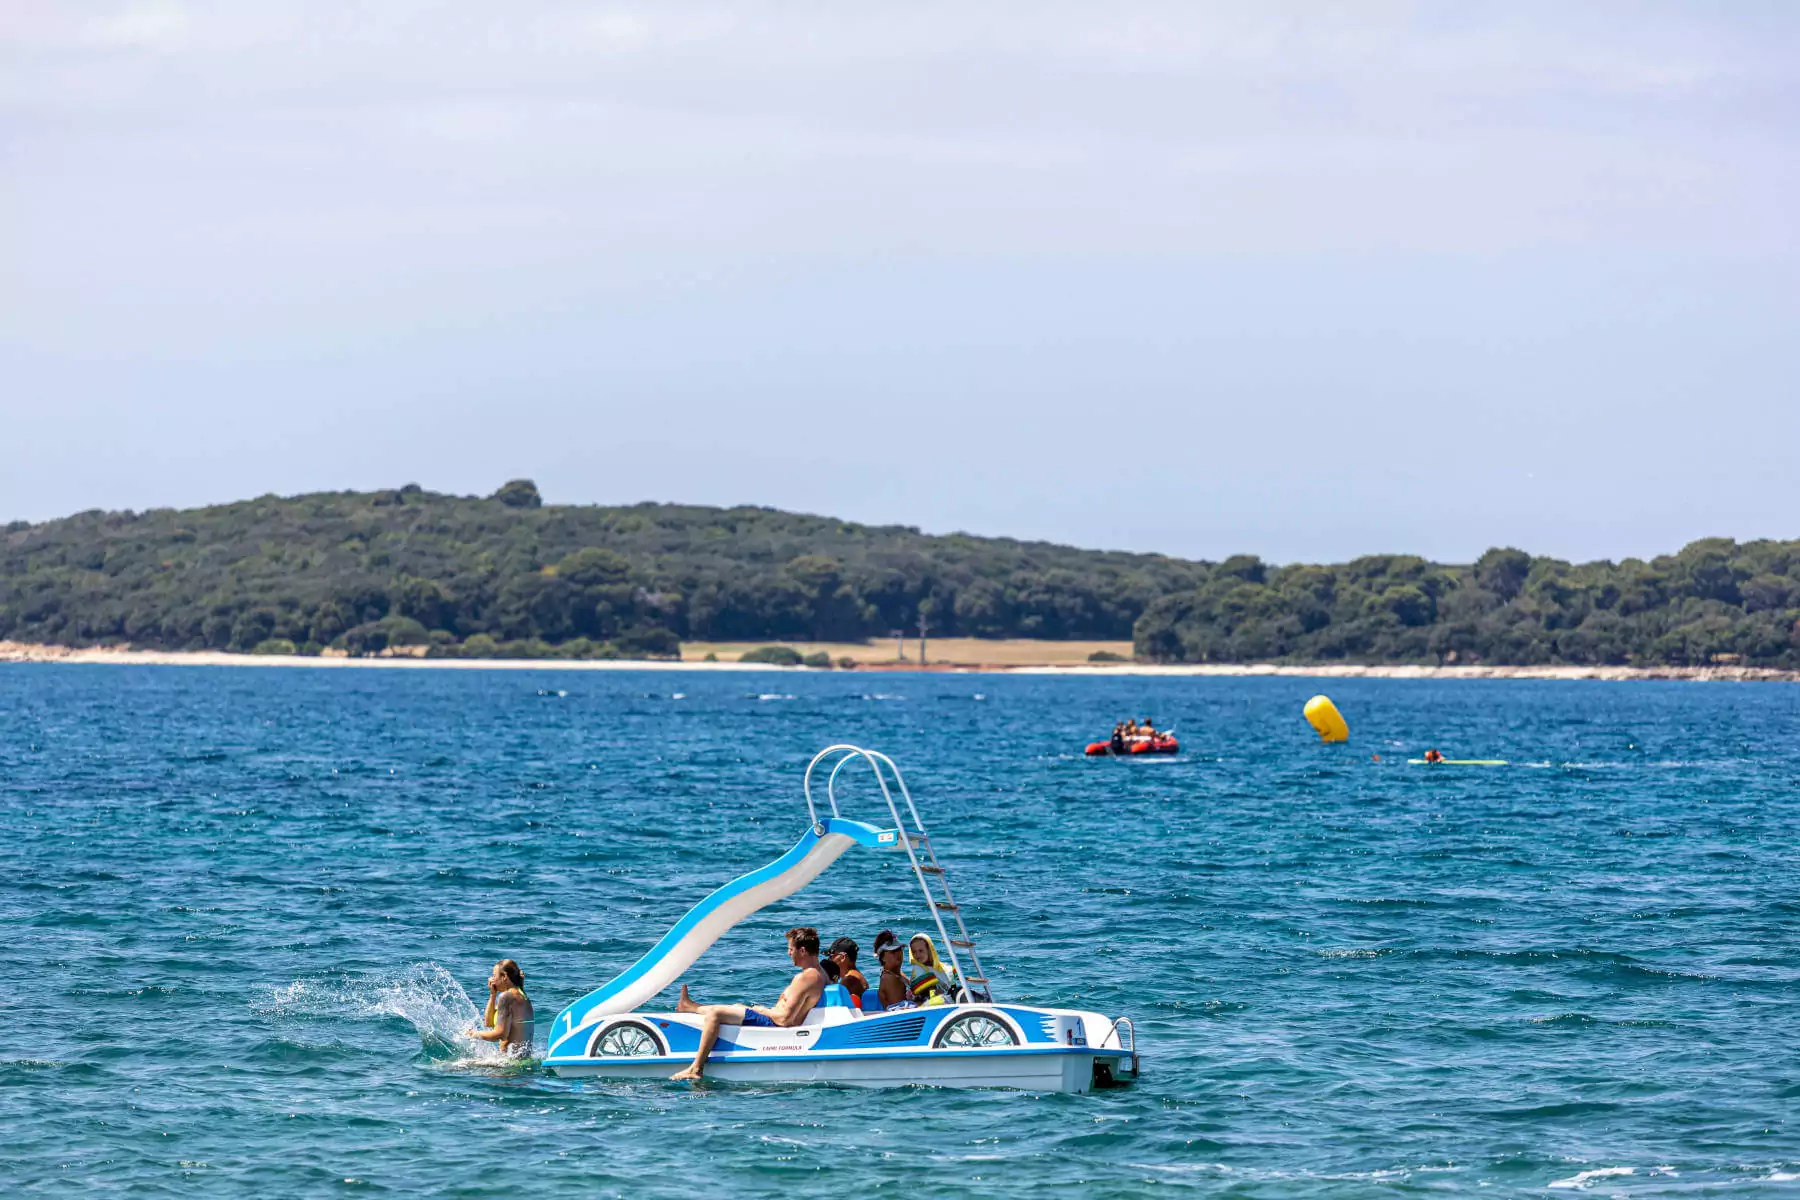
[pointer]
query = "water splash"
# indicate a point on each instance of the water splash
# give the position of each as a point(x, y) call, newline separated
point(1587, 1179)
point(424, 995)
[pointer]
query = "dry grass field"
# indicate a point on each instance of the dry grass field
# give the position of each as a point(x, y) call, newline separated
point(969, 652)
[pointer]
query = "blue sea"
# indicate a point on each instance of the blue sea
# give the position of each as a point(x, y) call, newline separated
point(248, 908)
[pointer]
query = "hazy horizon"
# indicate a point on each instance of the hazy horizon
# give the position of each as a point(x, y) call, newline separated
point(1237, 277)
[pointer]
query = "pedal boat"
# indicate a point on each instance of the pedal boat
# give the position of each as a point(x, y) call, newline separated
point(974, 1042)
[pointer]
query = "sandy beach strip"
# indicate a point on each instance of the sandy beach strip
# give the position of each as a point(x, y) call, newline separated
point(26, 652)
point(939, 652)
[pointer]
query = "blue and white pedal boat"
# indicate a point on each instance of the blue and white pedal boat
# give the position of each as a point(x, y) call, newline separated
point(975, 1042)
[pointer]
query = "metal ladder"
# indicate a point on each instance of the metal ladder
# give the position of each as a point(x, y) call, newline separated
point(919, 853)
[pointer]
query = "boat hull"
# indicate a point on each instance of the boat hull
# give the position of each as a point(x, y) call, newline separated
point(1014, 1046)
point(1028, 1070)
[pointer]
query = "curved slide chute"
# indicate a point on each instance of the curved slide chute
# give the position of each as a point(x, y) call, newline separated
point(708, 920)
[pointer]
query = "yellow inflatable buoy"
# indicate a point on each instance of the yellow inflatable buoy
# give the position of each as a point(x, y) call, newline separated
point(1324, 717)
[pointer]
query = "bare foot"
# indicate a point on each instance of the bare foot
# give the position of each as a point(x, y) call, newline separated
point(683, 1076)
point(685, 1005)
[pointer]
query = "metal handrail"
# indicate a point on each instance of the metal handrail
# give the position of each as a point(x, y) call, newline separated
point(943, 882)
point(876, 760)
point(847, 752)
point(831, 783)
point(1113, 1033)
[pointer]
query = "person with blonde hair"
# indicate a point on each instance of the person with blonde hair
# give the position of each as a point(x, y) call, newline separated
point(936, 982)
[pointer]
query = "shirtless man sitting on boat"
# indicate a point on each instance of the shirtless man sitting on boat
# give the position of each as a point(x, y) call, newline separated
point(798, 1000)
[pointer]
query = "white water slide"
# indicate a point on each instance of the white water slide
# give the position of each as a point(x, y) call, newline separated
point(708, 920)
point(817, 849)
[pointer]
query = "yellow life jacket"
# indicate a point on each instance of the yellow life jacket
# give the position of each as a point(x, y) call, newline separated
point(936, 982)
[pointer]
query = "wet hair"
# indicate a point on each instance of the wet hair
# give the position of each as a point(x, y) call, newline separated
point(510, 969)
point(831, 969)
point(804, 937)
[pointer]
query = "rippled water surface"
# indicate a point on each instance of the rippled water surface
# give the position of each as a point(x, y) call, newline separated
point(247, 908)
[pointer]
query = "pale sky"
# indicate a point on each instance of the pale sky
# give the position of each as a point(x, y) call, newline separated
point(1301, 280)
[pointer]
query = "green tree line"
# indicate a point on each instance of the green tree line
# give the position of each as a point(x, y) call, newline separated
point(1714, 602)
point(506, 575)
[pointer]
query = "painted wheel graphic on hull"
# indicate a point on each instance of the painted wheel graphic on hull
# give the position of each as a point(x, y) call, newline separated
point(627, 1039)
point(975, 1031)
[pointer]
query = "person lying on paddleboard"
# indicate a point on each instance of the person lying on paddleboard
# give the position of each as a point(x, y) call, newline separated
point(509, 1016)
point(798, 1000)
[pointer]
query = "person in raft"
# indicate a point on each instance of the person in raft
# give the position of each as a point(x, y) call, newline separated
point(1432, 756)
point(798, 1000)
point(509, 1017)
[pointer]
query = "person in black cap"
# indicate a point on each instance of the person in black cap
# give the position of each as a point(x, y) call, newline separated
point(893, 990)
point(843, 953)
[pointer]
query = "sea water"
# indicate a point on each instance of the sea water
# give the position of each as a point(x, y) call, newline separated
point(250, 913)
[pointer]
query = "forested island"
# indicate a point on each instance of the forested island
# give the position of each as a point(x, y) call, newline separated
point(508, 576)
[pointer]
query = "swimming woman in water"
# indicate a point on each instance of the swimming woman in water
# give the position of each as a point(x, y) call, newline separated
point(509, 1017)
